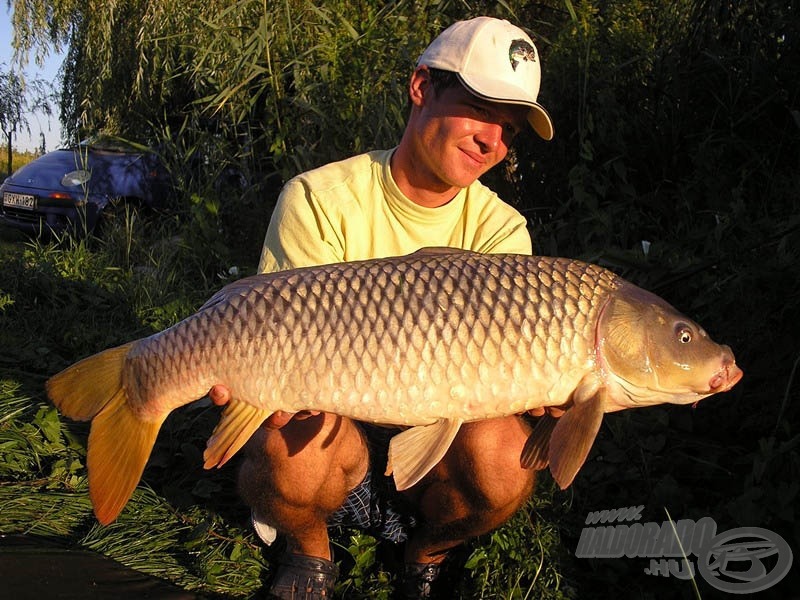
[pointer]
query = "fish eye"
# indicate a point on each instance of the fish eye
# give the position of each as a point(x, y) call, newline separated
point(683, 332)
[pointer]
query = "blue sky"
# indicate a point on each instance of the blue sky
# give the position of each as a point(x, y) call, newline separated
point(38, 123)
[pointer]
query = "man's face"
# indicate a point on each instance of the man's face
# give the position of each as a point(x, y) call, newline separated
point(460, 136)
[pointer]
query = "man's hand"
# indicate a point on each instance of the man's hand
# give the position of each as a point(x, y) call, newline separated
point(221, 395)
point(550, 410)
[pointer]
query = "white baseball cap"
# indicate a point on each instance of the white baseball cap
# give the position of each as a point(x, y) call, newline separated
point(496, 61)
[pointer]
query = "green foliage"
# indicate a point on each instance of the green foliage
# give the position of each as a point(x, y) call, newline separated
point(48, 498)
point(522, 559)
point(68, 299)
point(684, 137)
point(364, 575)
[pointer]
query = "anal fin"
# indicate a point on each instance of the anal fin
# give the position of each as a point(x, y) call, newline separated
point(416, 451)
point(573, 436)
point(238, 422)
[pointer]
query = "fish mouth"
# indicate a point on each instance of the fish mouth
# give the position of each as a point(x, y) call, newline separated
point(727, 376)
point(724, 379)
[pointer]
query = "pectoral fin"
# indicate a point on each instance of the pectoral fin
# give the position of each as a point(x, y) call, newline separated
point(239, 421)
point(537, 447)
point(416, 451)
point(573, 437)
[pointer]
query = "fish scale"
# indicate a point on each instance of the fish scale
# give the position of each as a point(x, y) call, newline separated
point(430, 341)
point(448, 320)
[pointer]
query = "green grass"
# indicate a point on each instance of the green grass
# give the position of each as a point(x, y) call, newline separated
point(66, 299)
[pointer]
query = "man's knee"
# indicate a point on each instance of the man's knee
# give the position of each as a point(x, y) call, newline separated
point(487, 457)
point(481, 474)
point(309, 464)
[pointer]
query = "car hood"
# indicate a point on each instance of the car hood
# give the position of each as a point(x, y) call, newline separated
point(47, 171)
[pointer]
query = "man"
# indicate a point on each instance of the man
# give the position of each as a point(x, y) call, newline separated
point(474, 88)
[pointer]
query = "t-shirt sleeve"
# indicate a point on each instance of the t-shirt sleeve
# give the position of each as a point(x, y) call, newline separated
point(300, 232)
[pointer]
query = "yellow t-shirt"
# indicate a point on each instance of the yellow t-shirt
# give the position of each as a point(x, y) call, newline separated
point(353, 210)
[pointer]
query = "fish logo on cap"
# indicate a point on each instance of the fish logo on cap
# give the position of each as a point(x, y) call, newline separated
point(520, 50)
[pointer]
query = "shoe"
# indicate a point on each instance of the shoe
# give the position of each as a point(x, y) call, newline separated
point(300, 577)
point(417, 580)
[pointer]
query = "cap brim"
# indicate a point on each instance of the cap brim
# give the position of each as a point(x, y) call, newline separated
point(541, 122)
point(538, 117)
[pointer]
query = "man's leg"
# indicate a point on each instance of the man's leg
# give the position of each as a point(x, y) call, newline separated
point(294, 478)
point(477, 486)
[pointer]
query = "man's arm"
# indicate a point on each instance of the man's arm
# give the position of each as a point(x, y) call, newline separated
point(221, 395)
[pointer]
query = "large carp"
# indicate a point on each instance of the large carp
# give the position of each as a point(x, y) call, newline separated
point(430, 340)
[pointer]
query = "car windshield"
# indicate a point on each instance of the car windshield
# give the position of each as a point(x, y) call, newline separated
point(110, 144)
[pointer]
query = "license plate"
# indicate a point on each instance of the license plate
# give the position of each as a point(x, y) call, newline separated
point(19, 200)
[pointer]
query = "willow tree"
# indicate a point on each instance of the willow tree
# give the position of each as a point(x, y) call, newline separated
point(18, 99)
point(124, 59)
point(296, 81)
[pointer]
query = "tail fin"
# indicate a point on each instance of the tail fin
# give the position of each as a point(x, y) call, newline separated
point(82, 390)
point(120, 442)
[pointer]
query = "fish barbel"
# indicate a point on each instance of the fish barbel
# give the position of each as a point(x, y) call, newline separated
point(430, 341)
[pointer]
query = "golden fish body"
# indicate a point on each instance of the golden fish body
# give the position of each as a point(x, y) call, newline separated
point(403, 341)
point(429, 340)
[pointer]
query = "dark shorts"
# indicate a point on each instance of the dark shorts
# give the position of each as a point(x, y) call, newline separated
point(374, 505)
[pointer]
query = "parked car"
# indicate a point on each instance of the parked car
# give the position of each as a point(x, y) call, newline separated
point(71, 188)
